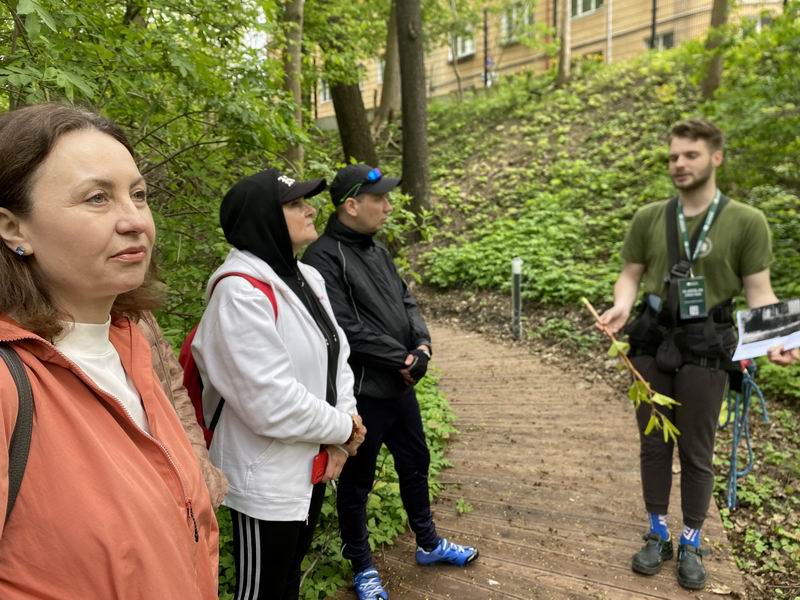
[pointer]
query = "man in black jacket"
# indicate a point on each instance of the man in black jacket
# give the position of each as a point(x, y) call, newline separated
point(389, 351)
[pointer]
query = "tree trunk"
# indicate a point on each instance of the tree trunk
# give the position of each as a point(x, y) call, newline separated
point(13, 92)
point(135, 12)
point(351, 118)
point(390, 93)
point(292, 69)
point(453, 39)
point(565, 49)
point(454, 50)
point(719, 17)
point(416, 180)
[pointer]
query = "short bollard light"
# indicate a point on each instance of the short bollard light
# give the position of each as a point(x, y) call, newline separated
point(516, 298)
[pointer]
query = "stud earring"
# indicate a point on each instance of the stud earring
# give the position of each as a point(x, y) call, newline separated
point(20, 250)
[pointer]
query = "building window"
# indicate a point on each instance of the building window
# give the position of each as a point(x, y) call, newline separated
point(582, 7)
point(464, 47)
point(324, 91)
point(380, 66)
point(513, 22)
point(664, 41)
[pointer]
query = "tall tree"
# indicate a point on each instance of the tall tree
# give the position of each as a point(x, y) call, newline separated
point(347, 34)
point(716, 35)
point(416, 179)
point(351, 119)
point(452, 42)
point(390, 90)
point(565, 46)
point(293, 75)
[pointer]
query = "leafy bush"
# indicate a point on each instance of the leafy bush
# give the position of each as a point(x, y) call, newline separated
point(554, 175)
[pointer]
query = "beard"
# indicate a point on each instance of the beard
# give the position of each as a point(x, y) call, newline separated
point(697, 182)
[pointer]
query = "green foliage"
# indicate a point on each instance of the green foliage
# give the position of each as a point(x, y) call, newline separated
point(764, 526)
point(345, 34)
point(200, 103)
point(618, 347)
point(554, 175)
point(778, 381)
point(463, 507)
point(325, 569)
point(759, 102)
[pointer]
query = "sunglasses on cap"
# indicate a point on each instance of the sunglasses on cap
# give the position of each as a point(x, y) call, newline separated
point(373, 176)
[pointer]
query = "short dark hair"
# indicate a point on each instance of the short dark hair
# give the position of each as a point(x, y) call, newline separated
point(27, 136)
point(699, 129)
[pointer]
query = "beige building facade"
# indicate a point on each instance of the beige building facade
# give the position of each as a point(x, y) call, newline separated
point(507, 43)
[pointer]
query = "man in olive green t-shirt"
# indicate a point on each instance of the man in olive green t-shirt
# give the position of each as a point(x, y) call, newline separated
point(732, 252)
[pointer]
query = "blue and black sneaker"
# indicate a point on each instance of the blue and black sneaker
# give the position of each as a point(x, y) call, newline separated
point(369, 586)
point(447, 552)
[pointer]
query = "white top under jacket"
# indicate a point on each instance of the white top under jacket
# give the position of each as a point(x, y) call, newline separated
point(88, 346)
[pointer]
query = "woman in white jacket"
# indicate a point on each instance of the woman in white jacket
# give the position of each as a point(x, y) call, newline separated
point(280, 364)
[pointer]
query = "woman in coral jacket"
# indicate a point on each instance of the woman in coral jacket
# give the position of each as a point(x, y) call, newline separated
point(112, 504)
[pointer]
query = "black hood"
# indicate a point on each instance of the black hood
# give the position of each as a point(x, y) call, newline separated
point(252, 219)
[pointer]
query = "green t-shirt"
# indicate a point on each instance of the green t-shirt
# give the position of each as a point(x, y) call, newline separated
point(737, 245)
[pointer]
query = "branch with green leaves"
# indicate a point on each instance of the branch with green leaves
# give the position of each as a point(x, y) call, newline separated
point(640, 390)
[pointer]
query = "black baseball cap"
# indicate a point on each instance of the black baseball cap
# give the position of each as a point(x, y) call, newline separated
point(290, 189)
point(360, 179)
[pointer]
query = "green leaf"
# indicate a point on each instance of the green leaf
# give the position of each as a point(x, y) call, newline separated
point(723, 414)
point(46, 17)
point(618, 347)
point(26, 7)
point(637, 393)
point(663, 400)
point(670, 431)
point(652, 424)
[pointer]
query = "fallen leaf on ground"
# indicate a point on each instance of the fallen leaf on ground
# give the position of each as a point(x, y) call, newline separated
point(720, 589)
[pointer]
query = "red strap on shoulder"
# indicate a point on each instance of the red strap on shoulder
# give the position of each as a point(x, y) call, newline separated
point(265, 288)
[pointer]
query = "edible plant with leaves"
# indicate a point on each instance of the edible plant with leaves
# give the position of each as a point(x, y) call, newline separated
point(640, 390)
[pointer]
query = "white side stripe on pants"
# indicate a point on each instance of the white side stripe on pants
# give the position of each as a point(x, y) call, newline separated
point(249, 580)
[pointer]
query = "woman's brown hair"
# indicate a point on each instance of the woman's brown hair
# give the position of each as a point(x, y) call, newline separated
point(27, 136)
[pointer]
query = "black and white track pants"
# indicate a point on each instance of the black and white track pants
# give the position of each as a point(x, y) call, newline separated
point(268, 554)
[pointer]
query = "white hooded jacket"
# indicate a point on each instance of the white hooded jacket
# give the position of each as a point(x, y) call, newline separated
point(272, 375)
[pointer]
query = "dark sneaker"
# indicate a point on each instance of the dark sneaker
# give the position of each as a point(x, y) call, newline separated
point(691, 572)
point(648, 560)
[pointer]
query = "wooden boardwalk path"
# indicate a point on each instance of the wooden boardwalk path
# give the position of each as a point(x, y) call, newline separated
point(549, 464)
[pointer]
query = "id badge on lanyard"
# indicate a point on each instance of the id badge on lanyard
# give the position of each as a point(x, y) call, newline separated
point(692, 297)
point(692, 290)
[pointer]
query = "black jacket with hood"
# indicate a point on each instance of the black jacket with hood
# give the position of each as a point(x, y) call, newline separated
point(372, 305)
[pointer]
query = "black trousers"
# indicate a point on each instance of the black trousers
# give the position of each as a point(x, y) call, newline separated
point(699, 391)
point(397, 423)
point(268, 554)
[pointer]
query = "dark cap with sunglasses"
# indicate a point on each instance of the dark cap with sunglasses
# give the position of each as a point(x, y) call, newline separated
point(360, 179)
